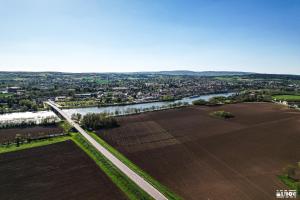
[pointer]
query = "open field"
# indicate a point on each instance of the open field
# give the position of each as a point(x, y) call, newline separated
point(287, 97)
point(56, 171)
point(34, 131)
point(200, 157)
point(5, 95)
point(165, 191)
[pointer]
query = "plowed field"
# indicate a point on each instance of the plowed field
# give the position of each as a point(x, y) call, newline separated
point(56, 171)
point(202, 157)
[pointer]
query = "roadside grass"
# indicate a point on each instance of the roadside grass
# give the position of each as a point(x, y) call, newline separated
point(163, 189)
point(132, 191)
point(290, 183)
point(32, 144)
point(286, 97)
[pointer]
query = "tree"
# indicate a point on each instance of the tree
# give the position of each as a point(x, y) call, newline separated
point(217, 100)
point(290, 171)
point(117, 112)
point(199, 102)
point(50, 120)
point(76, 117)
point(28, 137)
point(66, 127)
point(94, 121)
point(18, 139)
point(28, 105)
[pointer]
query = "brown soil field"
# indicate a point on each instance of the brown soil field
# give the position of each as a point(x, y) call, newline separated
point(203, 157)
point(56, 171)
point(34, 131)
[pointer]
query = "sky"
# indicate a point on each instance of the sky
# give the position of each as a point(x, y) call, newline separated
point(150, 35)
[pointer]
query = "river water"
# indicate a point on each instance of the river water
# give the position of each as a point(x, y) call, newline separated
point(38, 116)
point(25, 117)
point(123, 108)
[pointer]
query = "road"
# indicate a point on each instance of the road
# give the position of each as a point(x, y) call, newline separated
point(142, 183)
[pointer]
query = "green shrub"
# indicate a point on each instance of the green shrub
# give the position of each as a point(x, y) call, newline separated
point(222, 114)
point(217, 100)
point(199, 102)
point(167, 98)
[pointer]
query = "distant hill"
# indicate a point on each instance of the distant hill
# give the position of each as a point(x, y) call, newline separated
point(167, 73)
point(203, 73)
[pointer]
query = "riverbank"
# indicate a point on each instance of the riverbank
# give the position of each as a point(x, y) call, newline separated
point(118, 110)
point(104, 105)
point(142, 107)
point(97, 104)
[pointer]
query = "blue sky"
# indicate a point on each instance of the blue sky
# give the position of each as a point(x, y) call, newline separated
point(150, 35)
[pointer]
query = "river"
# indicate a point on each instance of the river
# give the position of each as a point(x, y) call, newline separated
point(38, 116)
point(26, 117)
point(123, 108)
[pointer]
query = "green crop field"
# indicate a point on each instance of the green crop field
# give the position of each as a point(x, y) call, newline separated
point(5, 95)
point(287, 97)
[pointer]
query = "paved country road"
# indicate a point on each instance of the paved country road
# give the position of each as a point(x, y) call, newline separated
point(142, 183)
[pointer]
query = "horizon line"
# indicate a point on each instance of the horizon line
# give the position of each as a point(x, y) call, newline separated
point(128, 72)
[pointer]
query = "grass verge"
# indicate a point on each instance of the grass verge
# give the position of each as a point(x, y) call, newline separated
point(132, 191)
point(290, 183)
point(38, 143)
point(163, 189)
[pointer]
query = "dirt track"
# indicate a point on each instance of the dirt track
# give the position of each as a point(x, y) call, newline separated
point(57, 171)
point(201, 157)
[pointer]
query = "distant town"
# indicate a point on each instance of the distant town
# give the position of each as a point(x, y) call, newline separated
point(26, 91)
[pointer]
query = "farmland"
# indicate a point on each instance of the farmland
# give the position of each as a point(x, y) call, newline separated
point(199, 156)
point(295, 98)
point(56, 171)
point(33, 132)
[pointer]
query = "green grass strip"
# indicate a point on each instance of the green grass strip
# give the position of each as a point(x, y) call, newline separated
point(287, 97)
point(163, 189)
point(32, 144)
point(290, 183)
point(132, 191)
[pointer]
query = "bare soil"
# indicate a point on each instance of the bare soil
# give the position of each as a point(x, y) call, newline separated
point(202, 157)
point(56, 171)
